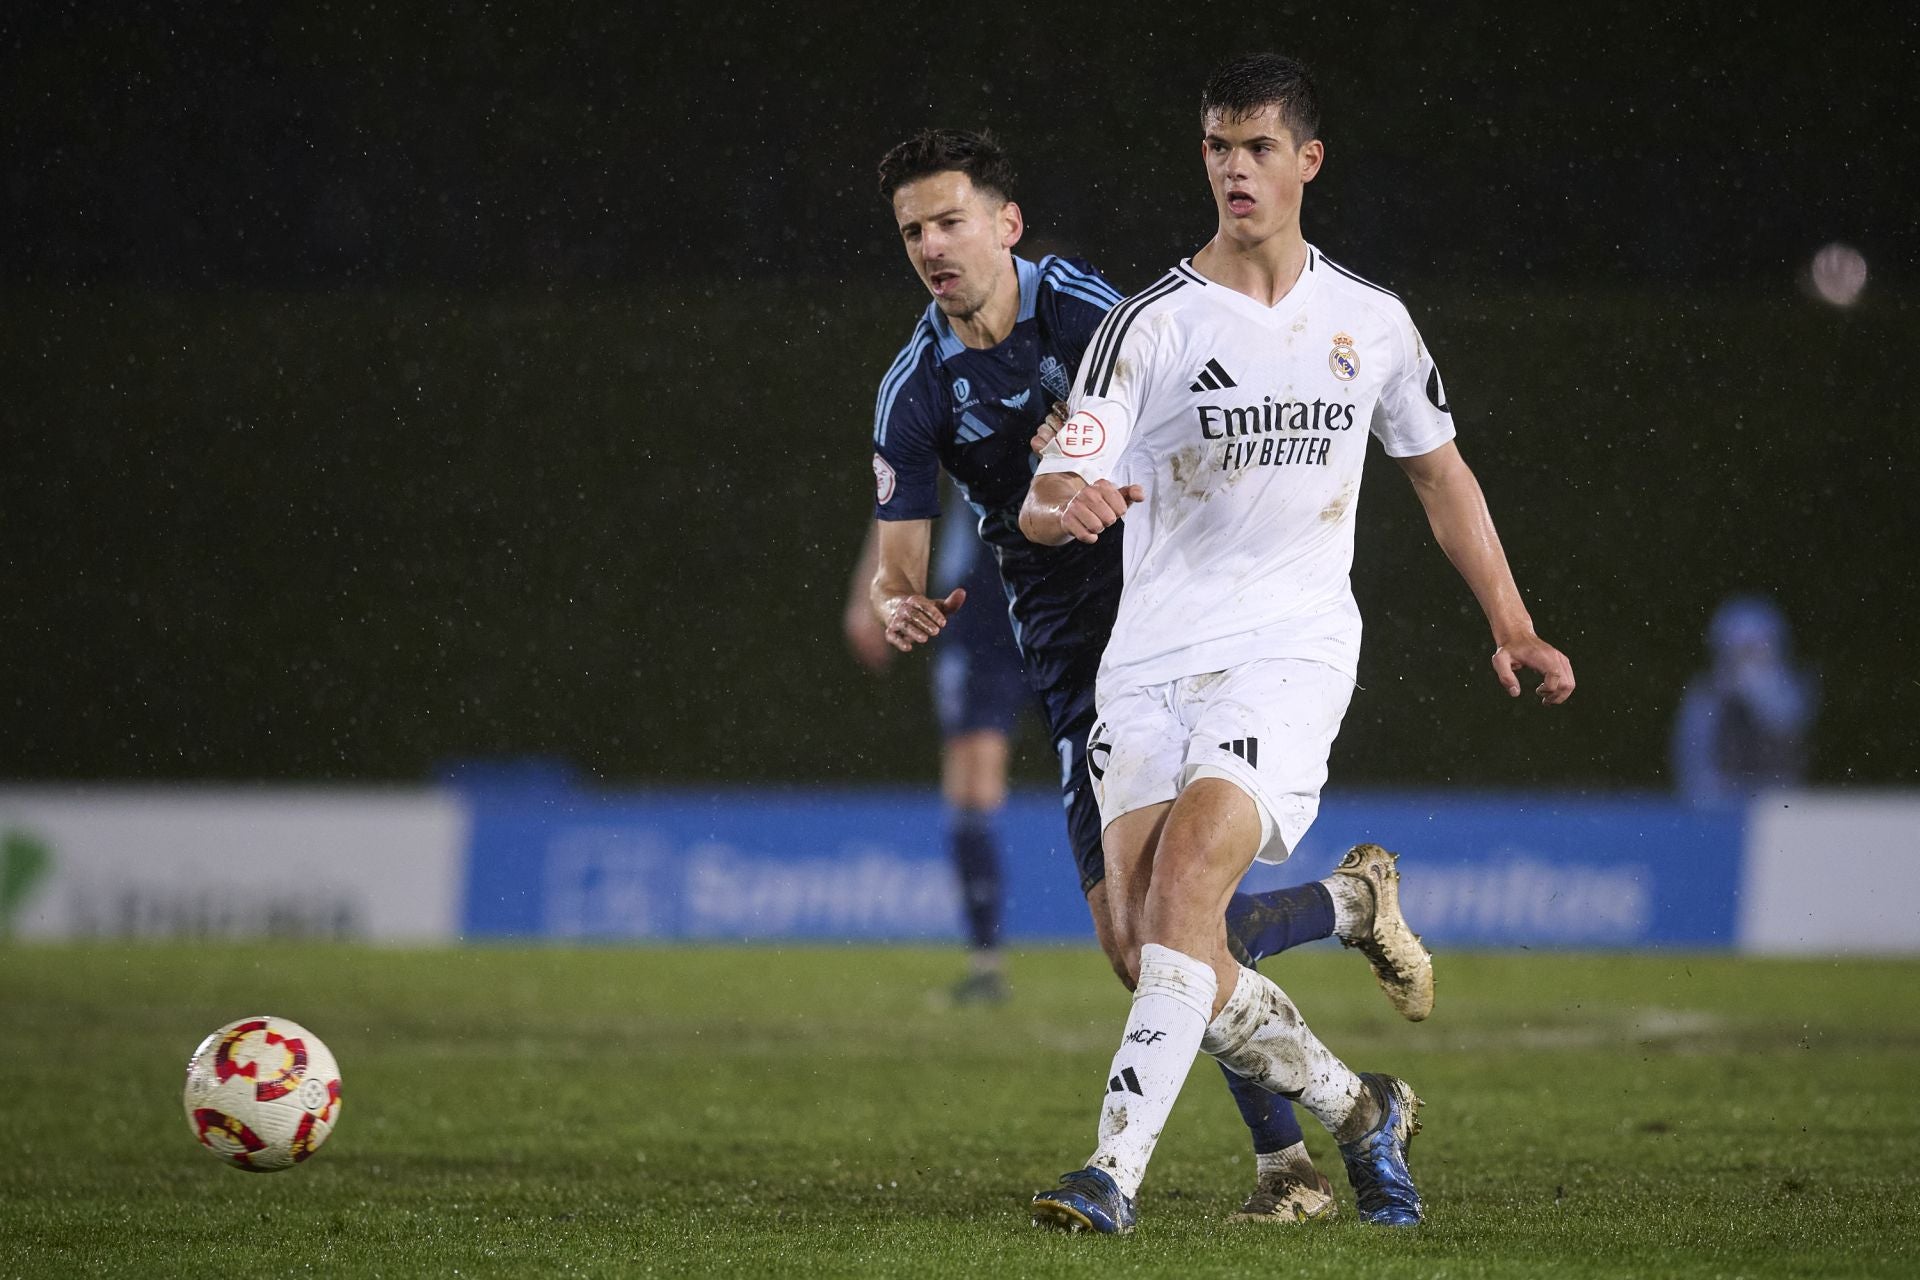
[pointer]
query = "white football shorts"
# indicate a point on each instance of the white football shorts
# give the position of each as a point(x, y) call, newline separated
point(1265, 726)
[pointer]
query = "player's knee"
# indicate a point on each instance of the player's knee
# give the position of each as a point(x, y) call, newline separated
point(974, 775)
point(1180, 869)
point(1207, 845)
point(976, 794)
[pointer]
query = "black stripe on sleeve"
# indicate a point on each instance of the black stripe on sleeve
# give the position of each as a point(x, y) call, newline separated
point(1119, 320)
point(1103, 339)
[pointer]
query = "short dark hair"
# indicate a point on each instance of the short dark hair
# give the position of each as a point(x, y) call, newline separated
point(1252, 82)
point(932, 151)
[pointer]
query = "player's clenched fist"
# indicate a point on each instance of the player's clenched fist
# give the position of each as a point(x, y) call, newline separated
point(1098, 507)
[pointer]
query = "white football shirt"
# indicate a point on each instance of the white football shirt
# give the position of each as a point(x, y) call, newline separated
point(1247, 426)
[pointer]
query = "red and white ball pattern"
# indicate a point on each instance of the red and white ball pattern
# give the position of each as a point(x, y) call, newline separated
point(262, 1093)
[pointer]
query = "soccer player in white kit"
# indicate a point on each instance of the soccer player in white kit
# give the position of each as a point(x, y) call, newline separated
point(1224, 413)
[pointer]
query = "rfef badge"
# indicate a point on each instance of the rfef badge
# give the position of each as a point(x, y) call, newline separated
point(1081, 436)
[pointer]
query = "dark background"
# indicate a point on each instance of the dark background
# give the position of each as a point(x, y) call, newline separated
point(384, 384)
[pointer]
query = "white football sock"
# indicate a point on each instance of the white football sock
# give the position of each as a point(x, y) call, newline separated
point(1352, 905)
point(1261, 1035)
point(1171, 1005)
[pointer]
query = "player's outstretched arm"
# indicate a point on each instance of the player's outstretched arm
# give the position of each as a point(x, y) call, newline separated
point(866, 636)
point(1061, 507)
point(1457, 511)
point(898, 594)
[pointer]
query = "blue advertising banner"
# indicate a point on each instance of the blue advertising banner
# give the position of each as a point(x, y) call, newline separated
point(1551, 871)
point(750, 865)
point(1541, 870)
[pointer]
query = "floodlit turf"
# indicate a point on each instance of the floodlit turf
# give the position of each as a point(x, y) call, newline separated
point(808, 1111)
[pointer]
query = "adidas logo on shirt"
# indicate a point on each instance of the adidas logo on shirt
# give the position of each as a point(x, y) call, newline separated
point(1125, 1082)
point(1212, 378)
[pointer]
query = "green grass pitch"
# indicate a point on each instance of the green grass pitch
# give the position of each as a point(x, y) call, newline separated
point(808, 1111)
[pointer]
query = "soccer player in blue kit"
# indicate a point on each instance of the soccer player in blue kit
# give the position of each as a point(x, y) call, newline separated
point(998, 345)
point(979, 693)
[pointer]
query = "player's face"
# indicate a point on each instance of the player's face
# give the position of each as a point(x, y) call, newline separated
point(959, 239)
point(1257, 173)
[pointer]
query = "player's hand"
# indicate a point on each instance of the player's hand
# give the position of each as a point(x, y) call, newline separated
point(1098, 507)
point(1530, 653)
point(1056, 418)
point(915, 620)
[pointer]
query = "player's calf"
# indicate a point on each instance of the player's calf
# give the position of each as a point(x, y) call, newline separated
point(1259, 1034)
point(1260, 925)
point(1359, 904)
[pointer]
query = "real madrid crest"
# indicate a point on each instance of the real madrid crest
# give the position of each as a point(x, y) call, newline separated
point(1343, 359)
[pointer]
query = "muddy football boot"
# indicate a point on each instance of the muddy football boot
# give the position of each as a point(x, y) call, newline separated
point(1377, 1160)
point(1400, 963)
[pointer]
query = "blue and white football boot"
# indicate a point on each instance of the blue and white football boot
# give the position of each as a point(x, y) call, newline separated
point(1085, 1200)
point(1377, 1160)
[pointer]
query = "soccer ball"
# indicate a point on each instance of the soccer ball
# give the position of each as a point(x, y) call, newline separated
point(262, 1093)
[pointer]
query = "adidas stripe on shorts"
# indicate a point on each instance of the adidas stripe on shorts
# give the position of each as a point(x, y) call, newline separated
point(1265, 726)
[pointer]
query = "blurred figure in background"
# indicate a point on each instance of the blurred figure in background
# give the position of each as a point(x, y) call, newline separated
point(1743, 722)
point(979, 691)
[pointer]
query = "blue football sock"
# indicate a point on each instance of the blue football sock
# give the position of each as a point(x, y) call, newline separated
point(1270, 1119)
point(1265, 924)
point(976, 856)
